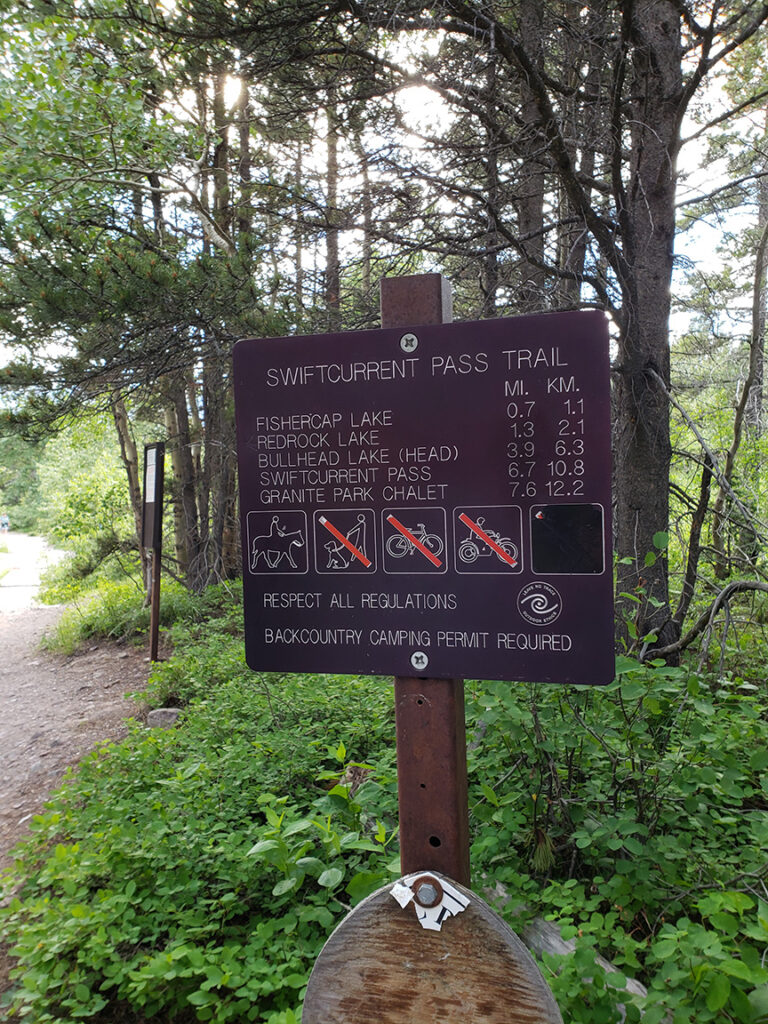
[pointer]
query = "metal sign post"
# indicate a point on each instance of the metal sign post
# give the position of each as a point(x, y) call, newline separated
point(152, 531)
point(429, 713)
point(432, 501)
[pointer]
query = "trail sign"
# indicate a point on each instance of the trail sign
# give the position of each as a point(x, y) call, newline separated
point(152, 532)
point(152, 509)
point(433, 501)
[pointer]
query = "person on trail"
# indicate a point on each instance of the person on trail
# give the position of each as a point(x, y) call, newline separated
point(5, 523)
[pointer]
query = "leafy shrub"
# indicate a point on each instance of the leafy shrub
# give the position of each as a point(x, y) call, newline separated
point(196, 872)
point(650, 797)
point(116, 609)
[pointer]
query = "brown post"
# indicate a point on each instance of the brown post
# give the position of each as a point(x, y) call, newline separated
point(154, 610)
point(429, 713)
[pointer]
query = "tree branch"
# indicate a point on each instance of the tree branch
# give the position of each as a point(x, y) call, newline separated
point(707, 617)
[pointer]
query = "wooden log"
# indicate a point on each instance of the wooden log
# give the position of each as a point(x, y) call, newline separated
point(381, 966)
point(541, 936)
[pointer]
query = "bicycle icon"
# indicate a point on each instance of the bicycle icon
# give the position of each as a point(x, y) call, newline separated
point(399, 545)
point(475, 546)
point(414, 540)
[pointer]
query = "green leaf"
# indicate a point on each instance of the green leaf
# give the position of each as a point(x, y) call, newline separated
point(262, 847)
point(758, 1001)
point(310, 865)
point(489, 794)
point(739, 1001)
point(363, 884)
point(284, 885)
point(330, 878)
point(719, 990)
point(201, 998)
point(736, 969)
point(303, 825)
point(661, 540)
point(624, 665)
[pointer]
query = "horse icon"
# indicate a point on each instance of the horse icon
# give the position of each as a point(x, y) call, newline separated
point(277, 546)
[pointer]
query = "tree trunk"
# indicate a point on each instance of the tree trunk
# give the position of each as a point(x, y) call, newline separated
point(298, 177)
point(752, 383)
point(642, 439)
point(586, 125)
point(130, 457)
point(244, 209)
point(332, 265)
point(179, 531)
point(196, 570)
point(367, 205)
point(753, 414)
point(530, 205)
point(222, 209)
point(489, 283)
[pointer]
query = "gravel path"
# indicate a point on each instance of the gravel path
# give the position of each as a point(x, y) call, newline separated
point(54, 709)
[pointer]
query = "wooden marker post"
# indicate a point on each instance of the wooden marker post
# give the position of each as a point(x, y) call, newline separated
point(152, 532)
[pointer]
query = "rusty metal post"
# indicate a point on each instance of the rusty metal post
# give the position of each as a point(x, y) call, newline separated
point(154, 610)
point(429, 713)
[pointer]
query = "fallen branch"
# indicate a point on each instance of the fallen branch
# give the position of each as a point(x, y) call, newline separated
point(541, 936)
point(707, 617)
point(717, 472)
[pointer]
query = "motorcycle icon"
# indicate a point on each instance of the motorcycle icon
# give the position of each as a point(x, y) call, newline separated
point(470, 549)
point(399, 545)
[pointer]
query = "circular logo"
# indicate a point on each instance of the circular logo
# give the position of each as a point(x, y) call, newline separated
point(539, 603)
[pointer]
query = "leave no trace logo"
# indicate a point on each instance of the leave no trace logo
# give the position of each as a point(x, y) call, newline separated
point(539, 603)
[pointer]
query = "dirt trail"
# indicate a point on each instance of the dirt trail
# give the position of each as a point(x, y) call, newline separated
point(53, 709)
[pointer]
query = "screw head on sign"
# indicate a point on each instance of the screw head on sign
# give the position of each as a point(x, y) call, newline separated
point(427, 891)
point(419, 660)
point(409, 342)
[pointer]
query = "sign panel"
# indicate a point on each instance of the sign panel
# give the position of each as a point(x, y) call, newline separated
point(152, 513)
point(429, 502)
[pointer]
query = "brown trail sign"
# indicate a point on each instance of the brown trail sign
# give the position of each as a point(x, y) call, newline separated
point(152, 531)
point(430, 500)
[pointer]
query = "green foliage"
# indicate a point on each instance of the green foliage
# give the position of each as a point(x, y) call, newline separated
point(115, 609)
point(195, 873)
point(19, 481)
point(650, 796)
point(82, 485)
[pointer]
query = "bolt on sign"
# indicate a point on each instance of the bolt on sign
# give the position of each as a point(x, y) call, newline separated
point(429, 502)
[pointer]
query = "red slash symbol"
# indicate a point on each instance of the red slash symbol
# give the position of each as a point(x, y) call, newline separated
point(464, 518)
point(414, 540)
point(347, 543)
